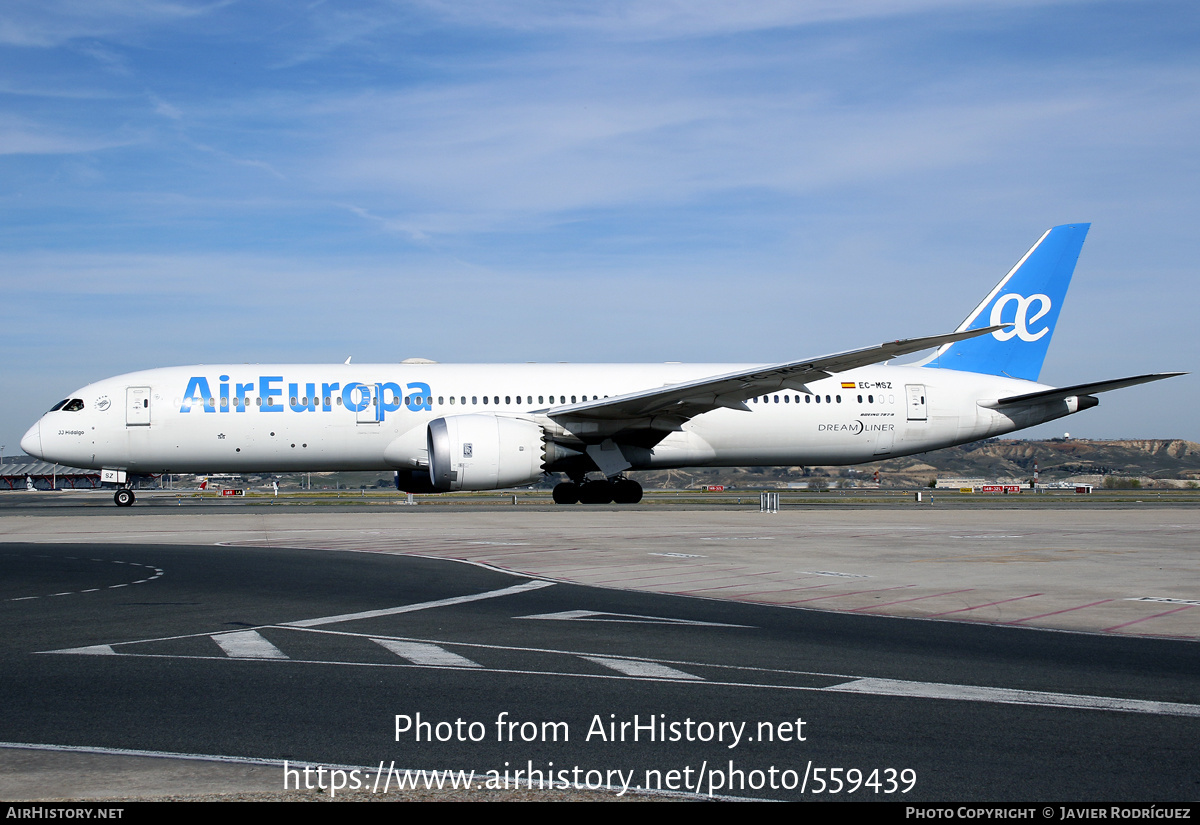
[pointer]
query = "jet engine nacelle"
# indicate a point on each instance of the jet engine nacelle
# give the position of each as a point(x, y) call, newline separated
point(484, 452)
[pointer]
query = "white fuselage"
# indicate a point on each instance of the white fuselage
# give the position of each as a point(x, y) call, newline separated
point(279, 418)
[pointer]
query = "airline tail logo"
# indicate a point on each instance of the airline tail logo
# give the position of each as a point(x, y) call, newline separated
point(1021, 320)
point(1026, 303)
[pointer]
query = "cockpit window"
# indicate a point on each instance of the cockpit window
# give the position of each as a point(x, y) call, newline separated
point(59, 405)
point(74, 405)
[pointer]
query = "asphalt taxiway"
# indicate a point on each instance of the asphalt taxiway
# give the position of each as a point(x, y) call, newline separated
point(1054, 658)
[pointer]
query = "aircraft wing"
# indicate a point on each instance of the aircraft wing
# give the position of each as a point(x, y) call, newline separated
point(1082, 389)
point(687, 399)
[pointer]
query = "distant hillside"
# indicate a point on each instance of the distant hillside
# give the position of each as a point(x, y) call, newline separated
point(994, 459)
point(1060, 458)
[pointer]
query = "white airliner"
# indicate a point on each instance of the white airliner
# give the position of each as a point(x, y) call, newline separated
point(485, 427)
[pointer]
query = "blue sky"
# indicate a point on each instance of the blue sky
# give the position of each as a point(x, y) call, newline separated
point(201, 182)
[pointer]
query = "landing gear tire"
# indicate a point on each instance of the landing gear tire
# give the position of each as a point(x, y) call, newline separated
point(626, 491)
point(566, 493)
point(620, 491)
point(124, 497)
point(596, 492)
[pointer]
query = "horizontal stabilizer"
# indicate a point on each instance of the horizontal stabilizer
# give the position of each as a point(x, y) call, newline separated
point(1083, 389)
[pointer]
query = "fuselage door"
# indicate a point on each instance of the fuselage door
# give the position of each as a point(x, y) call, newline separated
point(137, 406)
point(917, 408)
point(367, 404)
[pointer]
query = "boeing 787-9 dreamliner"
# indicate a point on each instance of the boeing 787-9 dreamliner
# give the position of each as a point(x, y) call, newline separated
point(443, 427)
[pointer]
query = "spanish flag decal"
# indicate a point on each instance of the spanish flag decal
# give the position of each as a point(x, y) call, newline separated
point(847, 385)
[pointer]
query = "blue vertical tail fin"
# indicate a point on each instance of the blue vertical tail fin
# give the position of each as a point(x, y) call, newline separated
point(1028, 298)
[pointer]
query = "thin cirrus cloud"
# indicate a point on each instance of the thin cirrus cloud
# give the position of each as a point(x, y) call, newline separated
point(633, 19)
point(50, 23)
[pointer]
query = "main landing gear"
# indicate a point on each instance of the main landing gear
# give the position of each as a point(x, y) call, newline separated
point(124, 497)
point(615, 491)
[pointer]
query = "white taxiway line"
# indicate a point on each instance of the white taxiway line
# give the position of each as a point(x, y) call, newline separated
point(425, 654)
point(247, 644)
point(631, 618)
point(1009, 696)
point(412, 608)
point(645, 670)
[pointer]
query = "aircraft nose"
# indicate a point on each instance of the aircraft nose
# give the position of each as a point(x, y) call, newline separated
point(31, 442)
